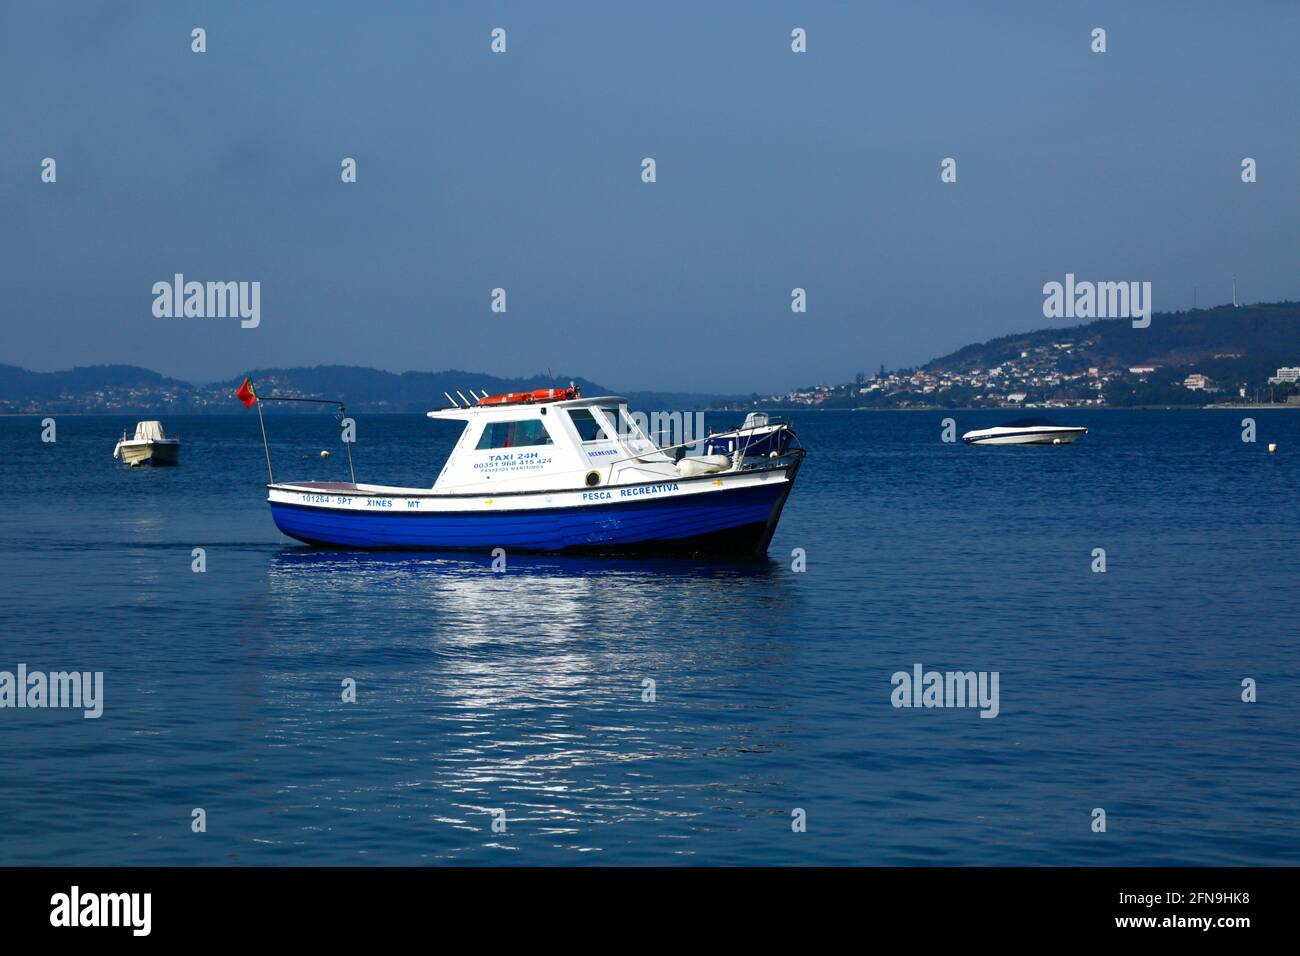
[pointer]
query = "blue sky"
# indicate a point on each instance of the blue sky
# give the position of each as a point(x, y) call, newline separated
point(775, 170)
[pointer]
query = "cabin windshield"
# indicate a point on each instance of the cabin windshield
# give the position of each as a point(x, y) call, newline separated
point(517, 434)
point(1030, 423)
point(588, 428)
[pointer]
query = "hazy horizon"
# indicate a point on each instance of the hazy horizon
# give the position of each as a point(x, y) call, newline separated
point(522, 170)
point(543, 375)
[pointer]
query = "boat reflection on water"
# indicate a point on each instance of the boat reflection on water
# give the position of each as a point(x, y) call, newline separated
point(557, 577)
point(450, 600)
point(526, 690)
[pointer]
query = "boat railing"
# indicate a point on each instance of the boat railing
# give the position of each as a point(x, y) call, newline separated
point(685, 444)
point(166, 436)
point(751, 432)
point(266, 446)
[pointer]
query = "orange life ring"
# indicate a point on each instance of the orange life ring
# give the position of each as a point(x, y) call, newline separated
point(536, 395)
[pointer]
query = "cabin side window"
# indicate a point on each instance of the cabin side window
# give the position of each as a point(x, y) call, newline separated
point(589, 429)
point(520, 434)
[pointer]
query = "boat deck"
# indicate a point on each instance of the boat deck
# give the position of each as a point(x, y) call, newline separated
point(334, 486)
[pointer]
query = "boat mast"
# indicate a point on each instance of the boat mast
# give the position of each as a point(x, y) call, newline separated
point(265, 447)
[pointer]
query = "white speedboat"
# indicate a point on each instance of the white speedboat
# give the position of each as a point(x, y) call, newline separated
point(550, 471)
point(1026, 431)
point(150, 446)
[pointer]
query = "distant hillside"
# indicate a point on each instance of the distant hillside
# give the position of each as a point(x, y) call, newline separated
point(18, 383)
point(129, 389)
point(1264, 336)
point(1236, 349)
point(1223, 354)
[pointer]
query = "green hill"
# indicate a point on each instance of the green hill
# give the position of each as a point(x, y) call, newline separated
point(1265, 336)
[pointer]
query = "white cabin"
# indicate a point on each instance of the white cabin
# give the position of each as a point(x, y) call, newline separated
point(578, 443)
point(149, 431)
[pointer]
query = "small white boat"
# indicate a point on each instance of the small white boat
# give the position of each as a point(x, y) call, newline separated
point(150, 446)
point(1026, 431)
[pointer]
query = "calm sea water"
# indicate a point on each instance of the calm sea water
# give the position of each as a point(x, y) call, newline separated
point(522, 692)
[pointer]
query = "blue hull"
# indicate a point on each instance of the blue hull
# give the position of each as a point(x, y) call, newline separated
point(739, 521)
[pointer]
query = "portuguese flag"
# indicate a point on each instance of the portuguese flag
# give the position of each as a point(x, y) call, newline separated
point(246, 393)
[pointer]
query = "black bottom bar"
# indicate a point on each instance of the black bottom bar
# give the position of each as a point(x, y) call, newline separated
point(975, 906)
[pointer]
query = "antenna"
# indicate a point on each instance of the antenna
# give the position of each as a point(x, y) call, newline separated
point(452, 400)
point(463, 398)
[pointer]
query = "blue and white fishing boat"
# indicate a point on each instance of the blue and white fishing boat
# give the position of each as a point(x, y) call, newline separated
point(551, 471)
